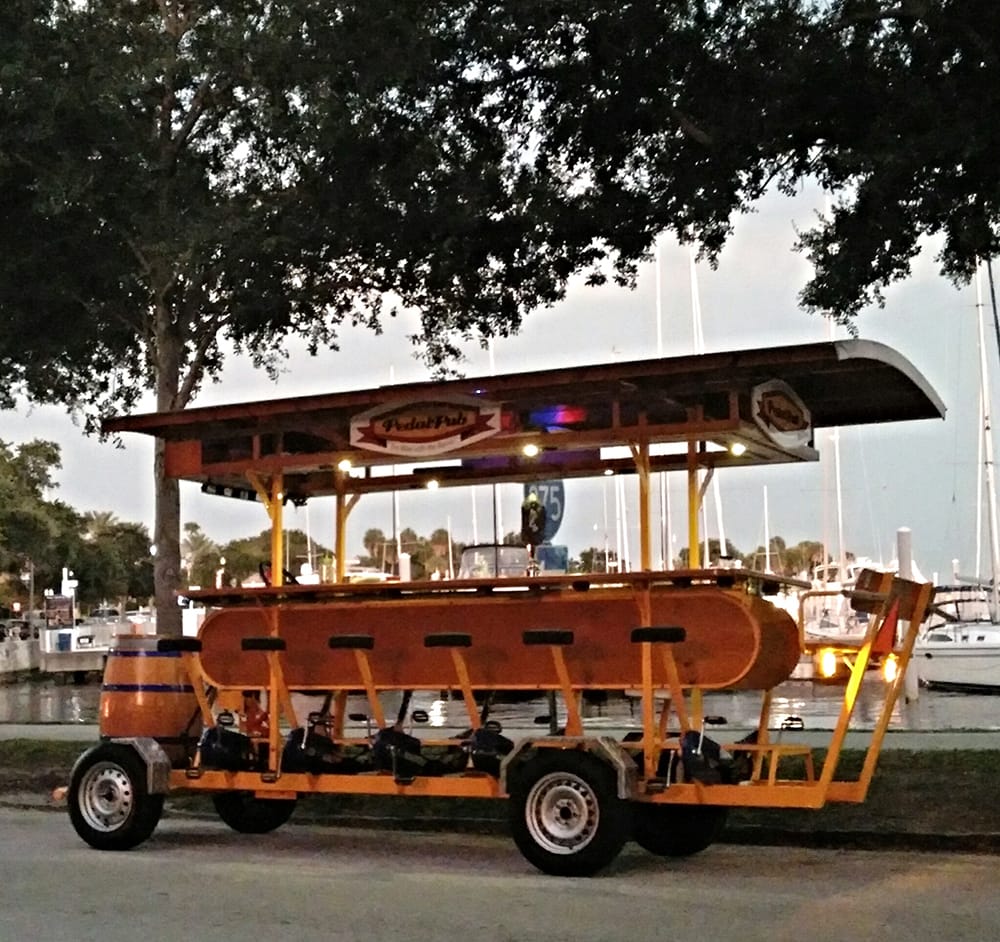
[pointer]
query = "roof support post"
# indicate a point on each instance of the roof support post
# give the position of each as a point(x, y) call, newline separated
point(340, 534)
point(640, 454)
point(344, 506)
point(276, 510)
point(694, 497)
point(273, 499)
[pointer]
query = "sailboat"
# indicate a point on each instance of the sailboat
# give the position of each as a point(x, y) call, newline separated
point(959, 649)
point(829, 616)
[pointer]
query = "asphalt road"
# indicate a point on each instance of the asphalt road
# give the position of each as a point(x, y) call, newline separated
point(197, 880)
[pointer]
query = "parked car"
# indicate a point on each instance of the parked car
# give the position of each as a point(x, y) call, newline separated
point(490, 560)
point(18, 628)
point(107, 614)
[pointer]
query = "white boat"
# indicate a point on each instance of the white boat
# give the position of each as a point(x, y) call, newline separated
point(960, 648)
point(827, 613)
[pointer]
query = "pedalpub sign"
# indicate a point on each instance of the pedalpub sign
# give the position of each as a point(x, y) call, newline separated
point(419, 429)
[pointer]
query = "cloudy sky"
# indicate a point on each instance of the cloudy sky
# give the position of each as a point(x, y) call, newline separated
point(921, 475)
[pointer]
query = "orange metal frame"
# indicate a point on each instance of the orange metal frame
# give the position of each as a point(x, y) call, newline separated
point(557, 634)
point(655, 670)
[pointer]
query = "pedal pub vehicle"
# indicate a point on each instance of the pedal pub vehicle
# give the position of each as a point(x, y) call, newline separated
point(217, 713)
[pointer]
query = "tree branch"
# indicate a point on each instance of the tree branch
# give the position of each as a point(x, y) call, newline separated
point(196, 365)
point(690, 129)
point(139, 255)
point(198, 103)
point(907, 10)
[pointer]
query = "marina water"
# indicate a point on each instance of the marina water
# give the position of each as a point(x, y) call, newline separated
point(817, 705)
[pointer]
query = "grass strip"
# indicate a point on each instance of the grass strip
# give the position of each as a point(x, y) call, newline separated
point(918, 792)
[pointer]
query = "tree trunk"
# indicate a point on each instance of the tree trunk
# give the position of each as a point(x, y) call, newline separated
point(167, 526)
point(167, 562)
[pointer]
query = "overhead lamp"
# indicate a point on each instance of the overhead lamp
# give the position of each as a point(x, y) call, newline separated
point(344, 465)
point(737, 449)
point(530, 450)
point(432, 484)
point(608, 472)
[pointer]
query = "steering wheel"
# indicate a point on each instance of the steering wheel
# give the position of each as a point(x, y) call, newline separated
point(265, 573)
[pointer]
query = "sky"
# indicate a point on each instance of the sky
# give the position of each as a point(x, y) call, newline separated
point(918, 475)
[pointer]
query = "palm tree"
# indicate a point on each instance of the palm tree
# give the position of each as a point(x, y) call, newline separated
point(99, 523)
point(200, 554)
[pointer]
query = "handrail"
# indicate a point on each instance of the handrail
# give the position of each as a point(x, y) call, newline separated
point(577, 582)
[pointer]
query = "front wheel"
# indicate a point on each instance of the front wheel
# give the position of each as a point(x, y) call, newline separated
point(109, 804)
point(566, 816)
point(250, 815)
point(676, 830)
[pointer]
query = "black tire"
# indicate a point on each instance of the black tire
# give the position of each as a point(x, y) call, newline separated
point(676, 830)
point(566, 816)
point(249, 815)
point(109, 804)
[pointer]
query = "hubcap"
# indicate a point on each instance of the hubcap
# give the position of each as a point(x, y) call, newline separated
point(107, 797)
point(562, 813)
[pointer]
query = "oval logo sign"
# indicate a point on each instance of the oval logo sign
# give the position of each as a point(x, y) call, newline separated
point(425, 428)
point(781, 414)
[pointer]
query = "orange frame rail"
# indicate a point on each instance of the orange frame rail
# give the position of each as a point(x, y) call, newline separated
point(670, 634)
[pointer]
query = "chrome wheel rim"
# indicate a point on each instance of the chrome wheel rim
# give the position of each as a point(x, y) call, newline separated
point(107, 797)
point(562, 813)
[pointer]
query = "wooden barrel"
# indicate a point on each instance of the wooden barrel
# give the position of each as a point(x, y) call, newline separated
point(147, 692)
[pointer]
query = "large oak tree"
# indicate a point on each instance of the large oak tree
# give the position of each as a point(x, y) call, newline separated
point(680, 115)
point(179, 174)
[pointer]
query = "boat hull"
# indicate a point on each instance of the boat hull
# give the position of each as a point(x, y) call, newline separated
point(959, 666)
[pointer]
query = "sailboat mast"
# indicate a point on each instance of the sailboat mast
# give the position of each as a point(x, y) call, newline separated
point(666, 550)
point(841, 554)
point(767, 536)
point(979, 489)
point(993, 301)
point(988, 468)
point(699, 347)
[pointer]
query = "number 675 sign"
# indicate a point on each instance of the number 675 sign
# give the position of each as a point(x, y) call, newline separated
point(552, 495)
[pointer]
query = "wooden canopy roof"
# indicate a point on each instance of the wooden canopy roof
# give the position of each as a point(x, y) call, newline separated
point(569, 414)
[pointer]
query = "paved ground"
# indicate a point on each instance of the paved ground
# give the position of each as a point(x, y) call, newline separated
point(196, 879)
point(49, 731)
point(877, 825)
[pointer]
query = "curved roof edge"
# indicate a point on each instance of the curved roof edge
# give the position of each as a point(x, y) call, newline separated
point(874, 350)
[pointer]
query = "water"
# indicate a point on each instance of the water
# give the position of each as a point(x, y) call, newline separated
point(51, 701)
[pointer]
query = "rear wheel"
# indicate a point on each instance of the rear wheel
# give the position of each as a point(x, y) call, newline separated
point(245, 813)
point(676, 830)
point(109, 804)
point(566, 816)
